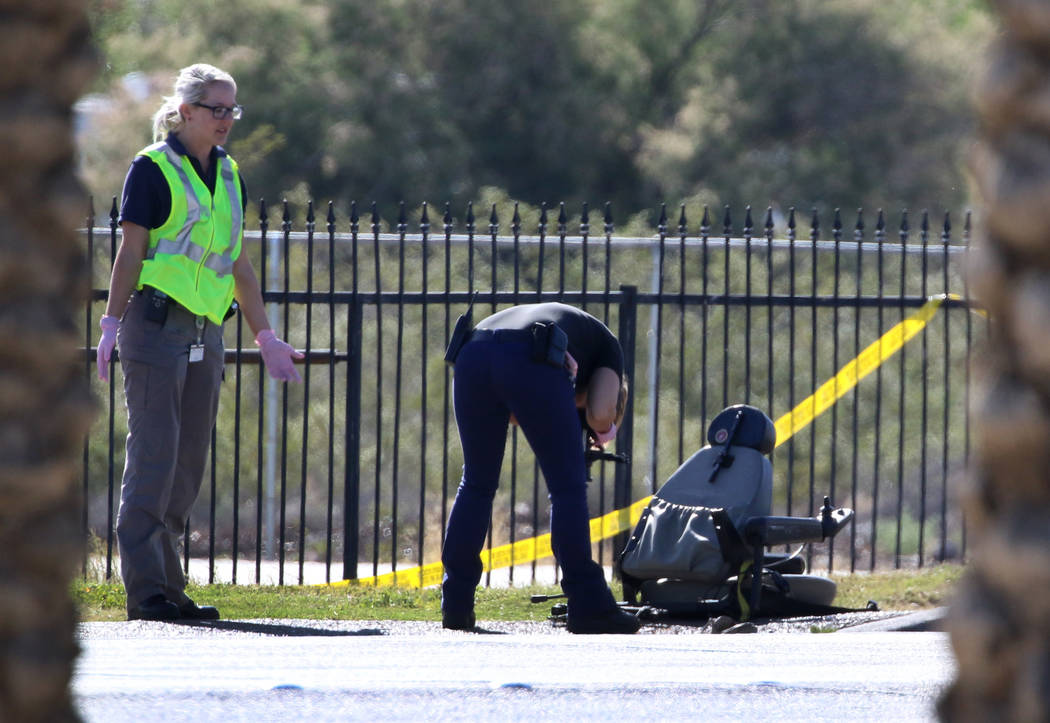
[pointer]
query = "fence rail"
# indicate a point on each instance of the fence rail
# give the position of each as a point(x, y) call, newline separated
point(355, 468)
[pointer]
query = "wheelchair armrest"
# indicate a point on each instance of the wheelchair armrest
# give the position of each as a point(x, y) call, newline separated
point(834, 520)
point(771, 530)
point(783, 530)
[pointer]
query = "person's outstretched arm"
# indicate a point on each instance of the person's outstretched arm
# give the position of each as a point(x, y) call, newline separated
point(277, 355)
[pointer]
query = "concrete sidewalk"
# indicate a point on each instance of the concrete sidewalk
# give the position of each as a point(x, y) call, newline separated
point(287, 670)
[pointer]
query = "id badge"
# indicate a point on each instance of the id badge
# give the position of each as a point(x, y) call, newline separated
point(197, 350)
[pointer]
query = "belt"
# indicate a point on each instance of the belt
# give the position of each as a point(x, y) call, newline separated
point(149, 290)
point(502, 335)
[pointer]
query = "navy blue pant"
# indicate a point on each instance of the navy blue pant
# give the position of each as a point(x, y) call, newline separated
point(494, 377)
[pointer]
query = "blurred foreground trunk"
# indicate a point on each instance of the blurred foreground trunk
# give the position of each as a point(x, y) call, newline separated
point(1000, 623)
point(46, 63)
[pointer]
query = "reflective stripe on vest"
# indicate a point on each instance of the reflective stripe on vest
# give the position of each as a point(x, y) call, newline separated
point(221, 264)
point(184, 259)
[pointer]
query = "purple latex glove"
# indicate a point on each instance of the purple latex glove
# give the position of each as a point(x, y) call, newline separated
point(108, 340)
point(603, 438)
point(571, 366)
point(278, 356)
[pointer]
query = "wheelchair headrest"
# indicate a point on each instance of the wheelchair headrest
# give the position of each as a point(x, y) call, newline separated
point(754, 429)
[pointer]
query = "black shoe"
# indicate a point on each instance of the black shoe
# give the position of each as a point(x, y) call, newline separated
point(156, 607)
point(193, 611)
point(613, 621)
point(457, 621)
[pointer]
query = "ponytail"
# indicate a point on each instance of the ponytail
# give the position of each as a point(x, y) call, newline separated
point(191, 86)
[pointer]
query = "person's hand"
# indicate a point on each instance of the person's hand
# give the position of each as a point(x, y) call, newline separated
point(571, 366)
point(603, 438)
point(108, 340)
point(278, 356)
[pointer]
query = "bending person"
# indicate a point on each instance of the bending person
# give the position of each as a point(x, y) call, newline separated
point(177, 271)
point(514, 368)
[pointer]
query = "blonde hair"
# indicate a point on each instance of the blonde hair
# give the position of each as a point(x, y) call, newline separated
point(191, 86)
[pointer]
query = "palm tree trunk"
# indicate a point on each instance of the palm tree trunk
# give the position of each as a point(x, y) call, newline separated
point(45, 408)
point(1000, 623)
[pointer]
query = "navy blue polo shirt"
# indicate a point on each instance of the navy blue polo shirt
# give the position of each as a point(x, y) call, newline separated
point(591, 343)
point(146, 199)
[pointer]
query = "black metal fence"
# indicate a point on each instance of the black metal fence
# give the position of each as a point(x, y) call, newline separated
point(354, 469)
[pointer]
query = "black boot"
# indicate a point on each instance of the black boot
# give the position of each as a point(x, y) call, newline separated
point(192, 611)
point(457, 621)
point(611, 621)
point(155, 607)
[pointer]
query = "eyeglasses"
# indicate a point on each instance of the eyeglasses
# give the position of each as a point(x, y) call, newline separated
point(222, 112)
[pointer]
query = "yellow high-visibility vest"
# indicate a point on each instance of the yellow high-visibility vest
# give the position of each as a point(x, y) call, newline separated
point(190, 256)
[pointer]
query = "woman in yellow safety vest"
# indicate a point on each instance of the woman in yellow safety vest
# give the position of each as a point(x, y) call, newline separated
point(177, 271)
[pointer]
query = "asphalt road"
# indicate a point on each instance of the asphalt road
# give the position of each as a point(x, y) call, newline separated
point(336, 671)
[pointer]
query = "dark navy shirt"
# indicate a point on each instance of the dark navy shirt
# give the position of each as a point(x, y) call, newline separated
point(146, 199)
point(591, 343)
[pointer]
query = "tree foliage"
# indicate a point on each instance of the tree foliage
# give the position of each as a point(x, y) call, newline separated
point(806, 102)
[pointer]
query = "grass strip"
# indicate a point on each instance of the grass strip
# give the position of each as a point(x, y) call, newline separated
point(919, 589)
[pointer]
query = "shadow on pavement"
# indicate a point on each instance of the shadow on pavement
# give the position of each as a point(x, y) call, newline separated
point(276, 629)
point(478, 630)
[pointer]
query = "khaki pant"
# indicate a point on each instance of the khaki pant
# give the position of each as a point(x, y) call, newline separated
point(171, 405)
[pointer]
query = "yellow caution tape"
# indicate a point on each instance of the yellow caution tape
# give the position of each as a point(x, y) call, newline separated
point(868, 361)
point(617, 521)
point(515, 553)
point(741, 596)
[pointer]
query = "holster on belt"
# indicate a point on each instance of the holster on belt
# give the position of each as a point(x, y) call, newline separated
point(549, 343)
point(460, 333)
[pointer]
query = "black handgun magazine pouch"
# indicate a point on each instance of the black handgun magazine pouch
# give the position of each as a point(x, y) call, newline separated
point(549, 343)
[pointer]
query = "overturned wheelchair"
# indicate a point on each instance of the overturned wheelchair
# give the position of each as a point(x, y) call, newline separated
point(700, 548)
